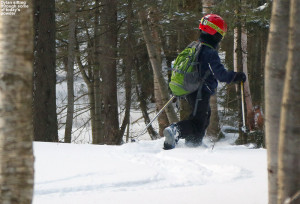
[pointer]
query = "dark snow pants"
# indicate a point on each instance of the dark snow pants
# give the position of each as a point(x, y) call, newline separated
point(193, 129)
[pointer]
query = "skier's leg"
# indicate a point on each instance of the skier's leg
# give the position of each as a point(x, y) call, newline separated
point(193, 129)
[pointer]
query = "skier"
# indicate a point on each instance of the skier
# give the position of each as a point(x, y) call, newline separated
point(212, 30)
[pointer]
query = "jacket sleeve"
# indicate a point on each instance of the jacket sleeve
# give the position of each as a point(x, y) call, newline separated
point(218, 69)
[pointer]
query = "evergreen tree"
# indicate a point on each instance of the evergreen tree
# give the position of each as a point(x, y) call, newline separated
point(44, 72)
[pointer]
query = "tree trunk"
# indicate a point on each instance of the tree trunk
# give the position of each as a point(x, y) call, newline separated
point(90, 85)
point(70, 72)
point(143, 106)
point(247, 93)
point(108, 56)
point(235, 54)
point(44, 73)
point(289, 142)
point(156, 66)
point(274, 77)
point(238, 65)
point(91, 95)
point(162, 119)
point(16, 130)
point(129, 63)
point(96, 104)
point(207, 5)
point(142, 102)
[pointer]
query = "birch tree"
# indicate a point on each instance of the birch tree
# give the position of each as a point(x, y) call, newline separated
point(247, 92)
point(156, 66)
point(276, 59)
point(16, 131)
point(238, 67)
point(154, 21)
point(289, 141)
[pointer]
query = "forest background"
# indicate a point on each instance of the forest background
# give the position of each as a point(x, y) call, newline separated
point(119, 55)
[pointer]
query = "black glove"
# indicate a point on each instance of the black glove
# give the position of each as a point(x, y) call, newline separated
point(239, 77)
point(174, 100)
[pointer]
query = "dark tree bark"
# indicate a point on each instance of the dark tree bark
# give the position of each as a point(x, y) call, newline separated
point(96, 104)
point(142, 102)
point(108, 55)
point(70, 72)
point(44, 75)
point(129, 63)
point(87, 74)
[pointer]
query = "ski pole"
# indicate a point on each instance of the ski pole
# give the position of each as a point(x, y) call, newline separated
point(243, 107)
point(161, 110)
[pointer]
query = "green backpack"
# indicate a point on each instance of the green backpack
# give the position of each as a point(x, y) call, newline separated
point(186, 77)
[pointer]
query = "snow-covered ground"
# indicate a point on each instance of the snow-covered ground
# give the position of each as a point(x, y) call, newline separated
point(141, 173)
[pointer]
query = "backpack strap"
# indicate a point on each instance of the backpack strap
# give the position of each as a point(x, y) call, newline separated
point(199, 49)
point(193, 44)
point(208, 45)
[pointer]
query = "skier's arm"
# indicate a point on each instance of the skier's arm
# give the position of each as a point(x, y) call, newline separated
point(218, 69)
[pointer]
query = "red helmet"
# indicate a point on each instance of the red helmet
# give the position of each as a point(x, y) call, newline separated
point(212, 24)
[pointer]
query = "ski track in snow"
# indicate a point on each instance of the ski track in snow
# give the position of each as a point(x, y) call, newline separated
point(65, 171)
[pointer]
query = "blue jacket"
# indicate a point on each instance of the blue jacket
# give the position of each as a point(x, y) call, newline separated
point(209, 60)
